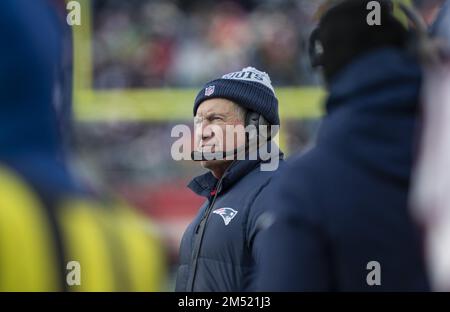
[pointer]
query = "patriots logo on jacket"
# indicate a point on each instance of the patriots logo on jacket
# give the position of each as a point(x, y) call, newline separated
point(227, 214)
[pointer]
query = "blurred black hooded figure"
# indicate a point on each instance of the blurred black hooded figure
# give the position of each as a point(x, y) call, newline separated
point(340, 218)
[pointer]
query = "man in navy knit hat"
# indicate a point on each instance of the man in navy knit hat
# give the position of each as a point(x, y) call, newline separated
point(217, 252)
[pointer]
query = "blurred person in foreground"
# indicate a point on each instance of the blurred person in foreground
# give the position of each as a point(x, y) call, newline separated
point(340, 219)
point(430, 199)
point(217, 252)
point(55, 233)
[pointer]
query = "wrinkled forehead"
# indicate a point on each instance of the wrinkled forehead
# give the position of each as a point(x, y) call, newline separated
point(216, 106)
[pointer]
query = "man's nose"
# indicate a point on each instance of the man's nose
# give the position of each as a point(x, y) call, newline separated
point(202, 132)
point(207, 131)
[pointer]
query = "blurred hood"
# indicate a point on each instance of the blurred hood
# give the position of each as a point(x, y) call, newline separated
point(372, 112)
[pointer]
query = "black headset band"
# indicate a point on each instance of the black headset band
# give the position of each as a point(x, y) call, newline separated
point(315, 48)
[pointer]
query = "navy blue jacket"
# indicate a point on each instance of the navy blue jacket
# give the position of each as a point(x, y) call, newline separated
point(217, 250)
point(344, 203)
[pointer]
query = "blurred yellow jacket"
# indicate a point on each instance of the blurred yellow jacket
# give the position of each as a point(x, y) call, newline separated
point(77, 244)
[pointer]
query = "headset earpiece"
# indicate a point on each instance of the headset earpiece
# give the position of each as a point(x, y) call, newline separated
point(252, 119)
point(315, 49)
point(257, 120)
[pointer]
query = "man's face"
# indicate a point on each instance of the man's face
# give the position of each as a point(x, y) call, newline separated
point(215, 129)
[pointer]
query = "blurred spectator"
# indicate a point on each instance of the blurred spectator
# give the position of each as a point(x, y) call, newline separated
point(429, 9)
point(441, 27)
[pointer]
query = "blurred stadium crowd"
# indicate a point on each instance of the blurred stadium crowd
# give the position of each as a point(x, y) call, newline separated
point(184, 43)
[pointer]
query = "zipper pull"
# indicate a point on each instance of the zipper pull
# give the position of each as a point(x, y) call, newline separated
point(213, 194)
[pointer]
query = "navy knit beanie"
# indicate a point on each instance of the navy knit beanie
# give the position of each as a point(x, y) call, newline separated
point(249, 88)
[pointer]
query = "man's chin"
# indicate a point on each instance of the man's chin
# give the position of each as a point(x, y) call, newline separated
point(209, 164)
point(212, 164)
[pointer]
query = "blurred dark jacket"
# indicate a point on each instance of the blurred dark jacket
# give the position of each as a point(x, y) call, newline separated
point(344, 203)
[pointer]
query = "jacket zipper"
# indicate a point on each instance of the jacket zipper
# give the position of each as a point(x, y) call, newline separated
point(199, 239)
